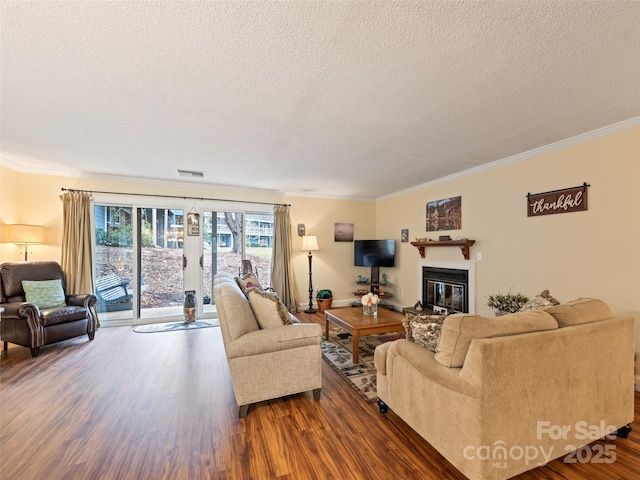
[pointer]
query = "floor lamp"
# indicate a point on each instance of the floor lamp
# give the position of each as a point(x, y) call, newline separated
point(24, 235)
point(309, 244)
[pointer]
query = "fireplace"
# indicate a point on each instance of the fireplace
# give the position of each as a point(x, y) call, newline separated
point(447, 287)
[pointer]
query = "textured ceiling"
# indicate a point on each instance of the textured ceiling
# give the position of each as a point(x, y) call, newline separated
point(350, 99)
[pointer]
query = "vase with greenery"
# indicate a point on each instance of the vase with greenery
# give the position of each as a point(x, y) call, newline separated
point(324, 298)
point(505, 303)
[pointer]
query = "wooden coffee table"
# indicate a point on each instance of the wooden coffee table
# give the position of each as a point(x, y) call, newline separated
point(354, 321)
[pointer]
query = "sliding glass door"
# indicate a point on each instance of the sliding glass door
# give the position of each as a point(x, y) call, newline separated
point(146, 258)
point(161, 260)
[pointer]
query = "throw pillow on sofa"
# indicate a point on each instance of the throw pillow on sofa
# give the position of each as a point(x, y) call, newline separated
point(543, 299)
point(423, 329)
point(268, 309)
point(427, 334)
point(248, 281)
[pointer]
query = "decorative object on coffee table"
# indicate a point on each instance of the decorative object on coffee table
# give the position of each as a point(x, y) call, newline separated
point(370, 304)
point(505, 303)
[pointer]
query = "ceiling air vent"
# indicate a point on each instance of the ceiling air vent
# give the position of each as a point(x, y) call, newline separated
point(190, 174)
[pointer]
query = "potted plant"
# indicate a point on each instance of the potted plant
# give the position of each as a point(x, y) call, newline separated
point(206, 299)
point(324, 299)
point(507, 302)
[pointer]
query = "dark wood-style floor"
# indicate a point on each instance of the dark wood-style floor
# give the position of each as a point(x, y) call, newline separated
point(160, 406)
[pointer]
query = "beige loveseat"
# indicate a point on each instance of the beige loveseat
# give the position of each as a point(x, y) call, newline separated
point(265, 363)
point(546, 383)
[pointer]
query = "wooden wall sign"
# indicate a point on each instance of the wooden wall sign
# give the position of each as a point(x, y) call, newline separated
point(566, 200)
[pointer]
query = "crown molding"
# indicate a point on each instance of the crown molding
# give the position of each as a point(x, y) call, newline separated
point(599, 132)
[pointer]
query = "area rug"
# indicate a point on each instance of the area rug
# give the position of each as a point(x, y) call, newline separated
point(361, 377)
point(172, 327)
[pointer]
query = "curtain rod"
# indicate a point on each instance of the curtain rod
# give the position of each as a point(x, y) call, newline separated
point(176, 196)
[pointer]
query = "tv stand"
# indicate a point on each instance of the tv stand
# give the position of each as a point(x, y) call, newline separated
point(374, 287)
point(374, 280)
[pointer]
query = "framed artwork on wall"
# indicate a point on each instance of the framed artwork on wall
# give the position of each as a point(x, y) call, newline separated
point(193, 224)
point(343, 232)
point(404, 235)
point(444, 214)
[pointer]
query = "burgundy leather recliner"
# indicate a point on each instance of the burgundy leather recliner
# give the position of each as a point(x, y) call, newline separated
point(25, 324)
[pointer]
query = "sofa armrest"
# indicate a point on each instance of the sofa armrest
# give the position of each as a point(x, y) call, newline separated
point(274, 340)
point(28, 312)
point(82, 300)
point(20, 310)
point(380, 357)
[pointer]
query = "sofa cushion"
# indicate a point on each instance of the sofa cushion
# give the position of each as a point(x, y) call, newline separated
point(248, 281)
point(44, 293)
point(581, 310)
point(268, 309)
point(236, 317)
point(543, 299)
point(460, 329)
point(58, 315)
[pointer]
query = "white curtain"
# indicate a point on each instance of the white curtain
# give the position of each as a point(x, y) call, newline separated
point(283, 280)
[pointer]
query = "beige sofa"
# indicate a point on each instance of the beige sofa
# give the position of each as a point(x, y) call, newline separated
point(520, 398)
point(270, 362)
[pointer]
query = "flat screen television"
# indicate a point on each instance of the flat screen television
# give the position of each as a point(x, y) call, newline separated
point(374, 253)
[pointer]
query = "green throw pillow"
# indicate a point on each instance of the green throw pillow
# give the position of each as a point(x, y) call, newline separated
point(45, 293)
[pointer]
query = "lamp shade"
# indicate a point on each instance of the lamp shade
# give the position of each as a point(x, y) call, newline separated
point(309, 243)
point(24, 234)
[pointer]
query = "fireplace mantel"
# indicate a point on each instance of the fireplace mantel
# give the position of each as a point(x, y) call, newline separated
point(464, 245)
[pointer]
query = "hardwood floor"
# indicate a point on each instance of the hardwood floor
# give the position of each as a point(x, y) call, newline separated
point(161, 406)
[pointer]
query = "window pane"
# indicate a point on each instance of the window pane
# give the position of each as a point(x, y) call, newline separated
point(113, 261)
point(258, 244)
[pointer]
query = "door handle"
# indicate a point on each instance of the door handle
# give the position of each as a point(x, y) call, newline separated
point(184, 262)
point(201, 261)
